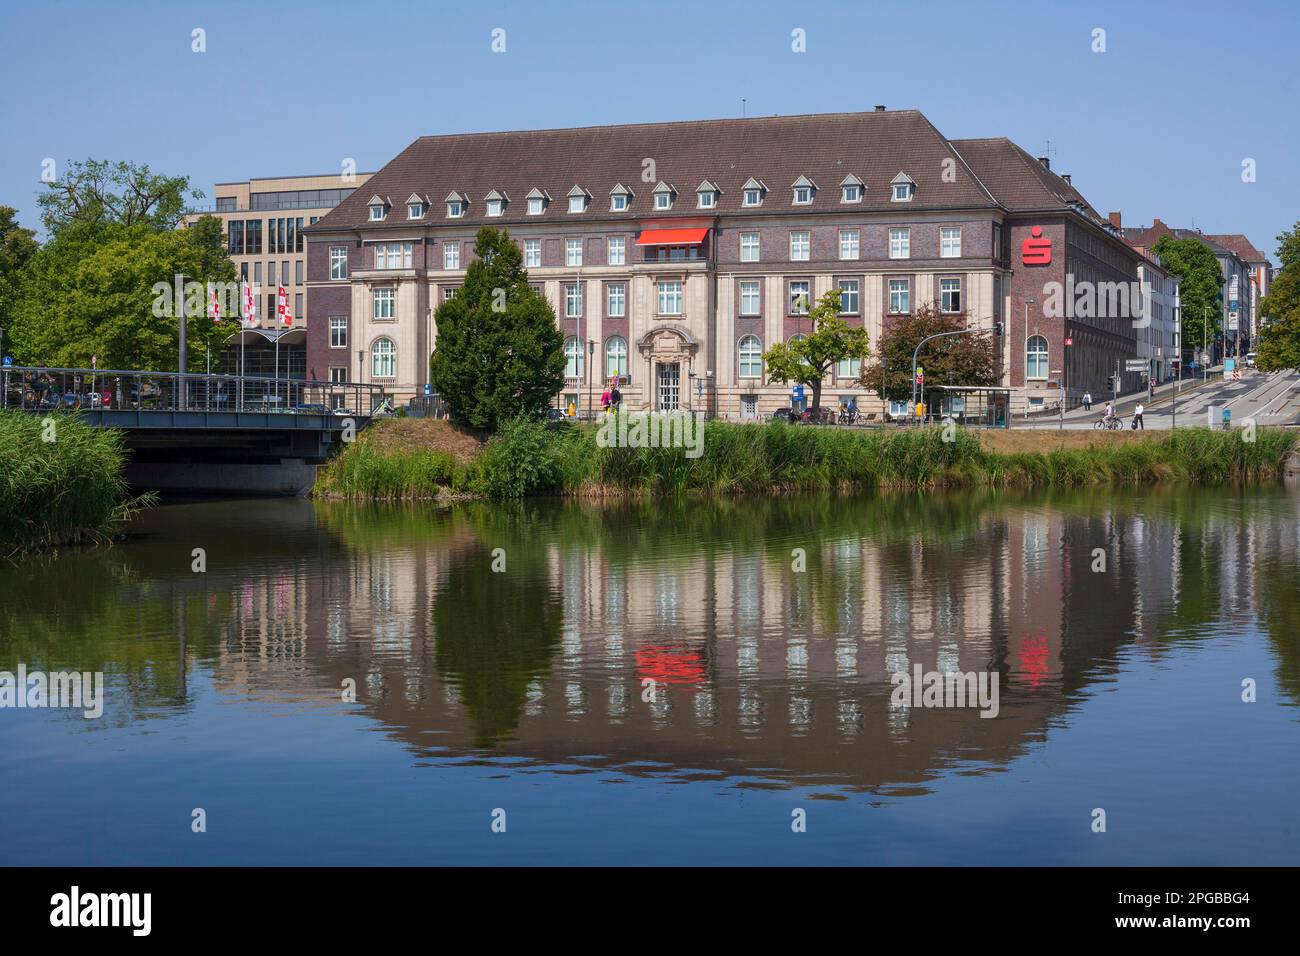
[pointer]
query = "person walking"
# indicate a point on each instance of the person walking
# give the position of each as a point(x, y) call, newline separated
point(1137, 417)
point(604, 401)
point(1087, 401)
point(615, 398)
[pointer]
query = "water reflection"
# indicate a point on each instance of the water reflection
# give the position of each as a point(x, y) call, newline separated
point(767, 630)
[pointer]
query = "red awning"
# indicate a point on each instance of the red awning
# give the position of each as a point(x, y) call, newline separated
point(672, 237)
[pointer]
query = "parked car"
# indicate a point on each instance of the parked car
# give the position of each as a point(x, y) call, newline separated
point(1250, 360)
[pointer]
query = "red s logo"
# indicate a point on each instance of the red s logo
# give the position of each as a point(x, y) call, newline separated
point(1036, 251)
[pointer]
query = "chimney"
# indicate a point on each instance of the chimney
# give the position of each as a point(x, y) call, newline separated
point(1047, 163)
point(1156, 222)
point(1066, 177)
point(880, 107)
point(1115, 220)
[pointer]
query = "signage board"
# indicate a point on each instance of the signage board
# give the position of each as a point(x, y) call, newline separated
point(1135, 365)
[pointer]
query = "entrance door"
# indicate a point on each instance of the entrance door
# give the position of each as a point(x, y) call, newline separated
point(669, 386)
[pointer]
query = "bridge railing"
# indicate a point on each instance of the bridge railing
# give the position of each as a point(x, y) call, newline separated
point(46, 389)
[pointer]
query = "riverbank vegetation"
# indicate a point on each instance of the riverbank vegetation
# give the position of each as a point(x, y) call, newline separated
point(65, 491)
point(532, 458)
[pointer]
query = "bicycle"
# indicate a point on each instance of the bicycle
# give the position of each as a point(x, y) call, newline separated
point(1113, 423)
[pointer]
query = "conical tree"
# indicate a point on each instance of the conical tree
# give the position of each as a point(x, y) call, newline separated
point(499, 353)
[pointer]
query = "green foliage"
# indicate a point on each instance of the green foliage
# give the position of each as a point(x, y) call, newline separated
point(520, 461)
point(91, 291)
point(17, 246)
point(1288, 247)
point(1279, 339)
point(499, 353)
point(1200, 286)
point(809, 359)
point(62, 491)
point(360, 471)
point(953, 360)
point(99, 193)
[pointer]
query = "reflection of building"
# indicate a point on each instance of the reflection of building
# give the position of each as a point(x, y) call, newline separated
point(263, 220)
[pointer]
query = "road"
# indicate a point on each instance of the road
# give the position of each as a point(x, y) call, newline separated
point(1270, 399)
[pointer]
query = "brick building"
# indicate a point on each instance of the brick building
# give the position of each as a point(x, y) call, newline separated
point(675, 254)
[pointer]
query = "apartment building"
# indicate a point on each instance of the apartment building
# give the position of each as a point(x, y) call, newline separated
point(1158, 333)
point(264, 221)
point(675, 254)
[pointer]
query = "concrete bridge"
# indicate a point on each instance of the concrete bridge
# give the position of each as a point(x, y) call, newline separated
point(204, 433)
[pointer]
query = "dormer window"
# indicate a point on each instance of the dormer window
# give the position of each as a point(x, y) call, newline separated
point(902, 188)
point(707, 195)
point(376, 213)
point(803, 188)
point(851, 189)
point(620, 198)
point(663, 194)
point(415, 206)
point(378, 208)
point(578, 199)
point(495, 203)
point(456, 204)
point(752, 193)
point(537, 200)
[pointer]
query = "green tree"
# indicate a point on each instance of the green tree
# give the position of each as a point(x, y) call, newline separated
point(953, 360)
point(807, 360)
point(127, 194)
point(499, 353)
point(17, 246)
point(1200, 286)
point(91, 291)
point(1279, 339)
point(1288, 247)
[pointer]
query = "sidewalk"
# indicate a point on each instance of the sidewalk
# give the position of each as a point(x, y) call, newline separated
point(1163, 395)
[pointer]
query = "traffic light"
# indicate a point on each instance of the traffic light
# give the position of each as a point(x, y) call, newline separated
point(1110, 383)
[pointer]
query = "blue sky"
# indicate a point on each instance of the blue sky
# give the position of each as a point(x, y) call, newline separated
point(1158, 125)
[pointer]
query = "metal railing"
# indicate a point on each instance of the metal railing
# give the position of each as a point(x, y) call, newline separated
point(38, 389)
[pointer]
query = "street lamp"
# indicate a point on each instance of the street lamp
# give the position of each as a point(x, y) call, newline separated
point(937, 335)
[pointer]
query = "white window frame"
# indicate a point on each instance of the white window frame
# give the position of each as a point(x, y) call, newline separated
point(616, 300)
point(450, 255)
point(577, 204)
point(669, 294)
point(338, 263)
point(751, 289)
point(536, 205)
point(749, 246)
point(1040, 358)
point(844, 193)
point(338, 323)
point(905, 289)
point(496, 208)
point(749, 361)
point(618, 202)
point(573, 253)
point(573, 300)
point(663, 200)
point(900, 242)
point(616, 251)
point(456, 209)
point(615, 356)
point(942, 295)
point(377, 208)
point(793, 297)
point(383, 306)
point(848, 368)
point(532, 253)
point(706, 199)
point(803, 196)
point(857, 296)
point(752, 197)
point(386, 356)
point(901, 192)
point(854, 250)
point(804, 238)
point(574, 358)
point(415, 210)
point(948, 249)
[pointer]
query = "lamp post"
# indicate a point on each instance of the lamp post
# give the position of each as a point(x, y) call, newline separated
point(915, 351)
point(591, 357)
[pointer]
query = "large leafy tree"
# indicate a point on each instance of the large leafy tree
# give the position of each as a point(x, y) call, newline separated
point(17, 246)
point(90, 291)
point(1288, 247)
point(807, 360)
point(952, 360)
point(1200, 286)
point(499, 352)
point(128, 194)
point(1279, 339)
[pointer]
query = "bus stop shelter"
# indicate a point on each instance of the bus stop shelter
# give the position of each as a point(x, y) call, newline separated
point(975, 406)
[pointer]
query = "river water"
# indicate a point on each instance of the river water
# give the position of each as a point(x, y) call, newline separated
point(667, 683)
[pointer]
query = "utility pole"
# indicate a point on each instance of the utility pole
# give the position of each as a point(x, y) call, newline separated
point(180, 366)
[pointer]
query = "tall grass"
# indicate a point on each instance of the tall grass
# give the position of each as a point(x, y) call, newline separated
point(63, 491)
point(532, 458)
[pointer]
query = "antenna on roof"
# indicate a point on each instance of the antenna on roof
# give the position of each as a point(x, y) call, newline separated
point(742, 107)
point(1048, 149)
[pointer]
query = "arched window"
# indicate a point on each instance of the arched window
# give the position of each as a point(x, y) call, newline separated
point(572, 357)
point(1036, 357)
point(383, 359)
point(751, 357)
point(615, 356)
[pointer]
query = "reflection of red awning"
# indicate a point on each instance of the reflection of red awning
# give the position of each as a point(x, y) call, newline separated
point(672, 237)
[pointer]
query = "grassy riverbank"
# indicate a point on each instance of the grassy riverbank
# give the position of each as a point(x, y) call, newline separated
point(534, 459)
point(62, 491)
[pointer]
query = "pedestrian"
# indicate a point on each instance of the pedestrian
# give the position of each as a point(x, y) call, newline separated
point(1087, 401)
point(615, 398)
point(604, 401)
point(1137, 418)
